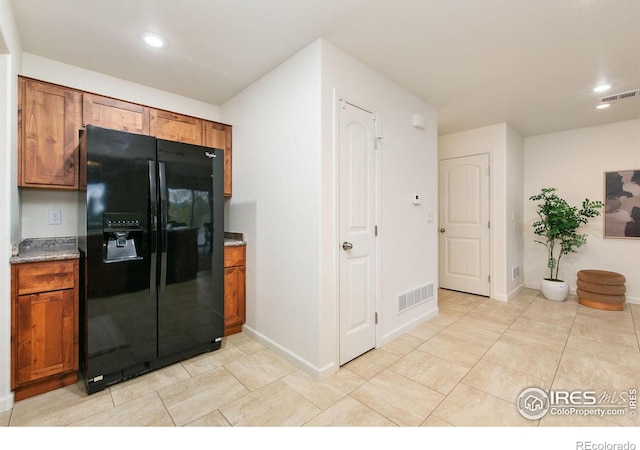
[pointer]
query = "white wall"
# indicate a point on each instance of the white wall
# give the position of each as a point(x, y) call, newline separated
point(408, 245)
point(10, 55)
point(514, 211)
point(35, 206)
point(36, 202)
point(574, 162)
point(276, 197)
point(284, 154)
point(505, 147)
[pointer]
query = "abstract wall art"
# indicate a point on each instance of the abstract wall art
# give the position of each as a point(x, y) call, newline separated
point(622, 204)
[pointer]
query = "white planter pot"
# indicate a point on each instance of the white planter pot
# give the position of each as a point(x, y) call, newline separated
point(554, 290)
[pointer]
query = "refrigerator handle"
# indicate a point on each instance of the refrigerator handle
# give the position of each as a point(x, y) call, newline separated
point(153, 226)
point(164, 205)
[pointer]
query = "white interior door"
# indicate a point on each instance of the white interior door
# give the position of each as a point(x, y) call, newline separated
point(356, 231)
point(464, 224)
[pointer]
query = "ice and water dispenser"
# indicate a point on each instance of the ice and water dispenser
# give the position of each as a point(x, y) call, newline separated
point(122, 237)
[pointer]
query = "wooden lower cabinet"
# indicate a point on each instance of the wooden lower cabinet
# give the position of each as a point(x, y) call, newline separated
point(44, 326)
point(234, 289)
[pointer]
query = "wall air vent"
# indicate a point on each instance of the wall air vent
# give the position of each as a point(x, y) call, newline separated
point(620, 96)
point(414, 297)
point(515, 273)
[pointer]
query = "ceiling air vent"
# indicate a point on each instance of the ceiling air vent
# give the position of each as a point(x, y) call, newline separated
point(622, 95)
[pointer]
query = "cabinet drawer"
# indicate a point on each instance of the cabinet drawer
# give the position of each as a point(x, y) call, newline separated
point(234, 256)
point(45, 276)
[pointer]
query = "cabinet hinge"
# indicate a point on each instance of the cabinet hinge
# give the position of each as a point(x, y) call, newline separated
point(489, 224)
point(376, 318)
point(375, 230)
point(489, 278)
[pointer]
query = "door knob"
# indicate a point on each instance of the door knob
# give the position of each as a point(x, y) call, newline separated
point(347, 245)
point(442, 230)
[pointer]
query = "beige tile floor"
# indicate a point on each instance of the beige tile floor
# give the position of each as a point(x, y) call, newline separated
point(465, 367)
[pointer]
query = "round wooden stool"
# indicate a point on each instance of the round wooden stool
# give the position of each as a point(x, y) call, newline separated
point(601, 289)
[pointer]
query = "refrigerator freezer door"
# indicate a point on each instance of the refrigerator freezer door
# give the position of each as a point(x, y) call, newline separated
point(191, 281)
point(119, 308)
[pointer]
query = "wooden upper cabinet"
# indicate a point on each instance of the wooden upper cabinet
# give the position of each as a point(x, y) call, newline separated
point(49, 120)
point(175, 127)
point(218, 135)
point(114, 114)
point(51, 116)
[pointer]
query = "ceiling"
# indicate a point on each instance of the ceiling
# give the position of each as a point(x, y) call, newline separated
point(530, 63)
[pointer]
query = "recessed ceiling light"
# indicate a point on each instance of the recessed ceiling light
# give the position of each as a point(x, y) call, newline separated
point(602, 88)
point(154, 40)
point(603, 106)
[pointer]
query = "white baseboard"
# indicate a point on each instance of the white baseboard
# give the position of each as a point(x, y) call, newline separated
point(6, 402)
point(388, 337)
point(318, 373)
point(509, 295)
point(321, 373)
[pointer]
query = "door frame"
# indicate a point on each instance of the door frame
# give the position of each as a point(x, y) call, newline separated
point(338, 97)
point(490, 206)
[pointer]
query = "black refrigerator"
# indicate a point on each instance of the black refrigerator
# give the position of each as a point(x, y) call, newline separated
point(151, 241)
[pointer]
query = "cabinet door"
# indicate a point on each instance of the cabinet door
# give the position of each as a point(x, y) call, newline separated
point(114, 114)
point(175, 127)
point(218, 135)
point(50, 120)
point(234, 299)
point(45, 335)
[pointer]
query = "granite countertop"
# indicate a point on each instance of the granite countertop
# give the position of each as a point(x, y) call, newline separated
point(52, 249)
point(44, 249)
point(234, 239)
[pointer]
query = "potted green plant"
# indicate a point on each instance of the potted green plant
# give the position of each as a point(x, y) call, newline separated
point(558, 225)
